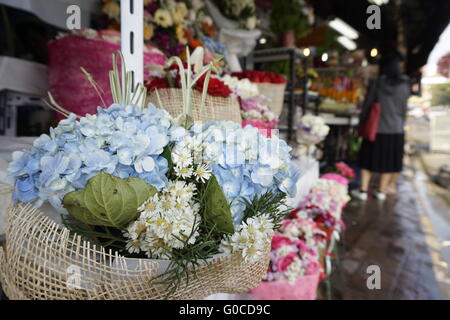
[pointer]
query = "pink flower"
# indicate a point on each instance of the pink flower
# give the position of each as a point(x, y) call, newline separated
point(335, 177)
point(302, 246)
point(285, 262)
point(345, 170)
point(279, 241)
point(312, 267)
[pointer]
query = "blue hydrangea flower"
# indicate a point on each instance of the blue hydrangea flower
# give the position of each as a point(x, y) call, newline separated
point(246, 163)
point(125, 141)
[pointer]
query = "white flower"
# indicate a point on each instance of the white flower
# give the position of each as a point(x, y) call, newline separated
point(315, 124)
point(169, 220)
point(294, 271)
point(283, 251)
point(135, 246)
point(183, 172)
point(251, 238)
point(251, 23)
point(163, 18)
point(202, 173)
point(182, 157)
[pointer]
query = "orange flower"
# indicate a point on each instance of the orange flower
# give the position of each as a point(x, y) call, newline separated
point(209, 29)
point(194, 43)
point(179, 30)
point(148, 32)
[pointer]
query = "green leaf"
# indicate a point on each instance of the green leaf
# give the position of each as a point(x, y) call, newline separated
point(167, 154)
point(217, 209)
point(108, 200)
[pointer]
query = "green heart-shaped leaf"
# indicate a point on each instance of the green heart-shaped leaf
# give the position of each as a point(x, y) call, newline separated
point(108, 200)
point(217, 208)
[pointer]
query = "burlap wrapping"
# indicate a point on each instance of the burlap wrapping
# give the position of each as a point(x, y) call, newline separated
point(42, 260)
point(216, 108)
point(274, 92)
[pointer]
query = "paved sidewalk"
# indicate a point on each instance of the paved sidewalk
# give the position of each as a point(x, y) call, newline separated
point(396, 236)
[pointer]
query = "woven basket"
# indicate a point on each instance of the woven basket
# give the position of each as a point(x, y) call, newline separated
point(216, 108)
point(69, 85)
point(42, 260)
point(274, 92)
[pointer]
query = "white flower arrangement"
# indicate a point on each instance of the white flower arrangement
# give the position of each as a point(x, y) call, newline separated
point(244, 88)
point(251, 237)
point(168, 220)
point(172, 189)
point(332, 188)
point(314, 125)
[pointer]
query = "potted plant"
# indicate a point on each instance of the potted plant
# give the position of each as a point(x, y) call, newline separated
point(288, 19)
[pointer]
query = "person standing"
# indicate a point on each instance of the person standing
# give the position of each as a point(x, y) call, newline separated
point(385, 155)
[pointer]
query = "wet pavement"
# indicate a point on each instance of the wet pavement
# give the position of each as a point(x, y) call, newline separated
point(397, 237)
point(407, 236)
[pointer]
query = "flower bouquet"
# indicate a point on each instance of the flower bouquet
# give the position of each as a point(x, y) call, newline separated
point(312, 130)
point(271, 84)
point(154, 207)
point(168, 24)
point(337, 190)
point(232, 14)
point(345, 170)
point(91, 50)
point(324, 206)
point(294, 267)
point(254, 112)
point(218, 102)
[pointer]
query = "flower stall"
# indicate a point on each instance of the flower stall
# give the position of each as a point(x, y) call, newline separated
point(166, 177)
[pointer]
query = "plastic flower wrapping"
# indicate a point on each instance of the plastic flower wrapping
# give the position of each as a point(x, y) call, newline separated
point(138, 181)
point(295, 250)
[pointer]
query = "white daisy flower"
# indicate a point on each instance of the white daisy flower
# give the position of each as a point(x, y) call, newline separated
point(182, 157)
point(183, 172)
point(202, 173)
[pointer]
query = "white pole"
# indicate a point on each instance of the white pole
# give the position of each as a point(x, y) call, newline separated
point(132, 34)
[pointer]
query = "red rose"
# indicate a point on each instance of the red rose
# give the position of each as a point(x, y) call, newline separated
point(216, 87)
point(157, 83)
point(260, 76)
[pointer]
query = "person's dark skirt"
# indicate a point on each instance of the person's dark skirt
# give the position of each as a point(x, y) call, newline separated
point(384, 155)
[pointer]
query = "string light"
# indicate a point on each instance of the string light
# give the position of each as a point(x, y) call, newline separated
point(374, 52)
point(324, 57)
point(306, 52)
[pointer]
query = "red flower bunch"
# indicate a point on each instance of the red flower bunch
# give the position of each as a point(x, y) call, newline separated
point(216, 87)
point(157, 83)
point(345, 170)
point(260, 76)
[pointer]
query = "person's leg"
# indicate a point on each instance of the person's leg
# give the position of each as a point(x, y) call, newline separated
point(385, 180)
point(365, 180)
point(392, 187)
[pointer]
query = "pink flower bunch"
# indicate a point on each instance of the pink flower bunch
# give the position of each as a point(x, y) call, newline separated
point(295, 250)
point(345, 170)
point(336, 177)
